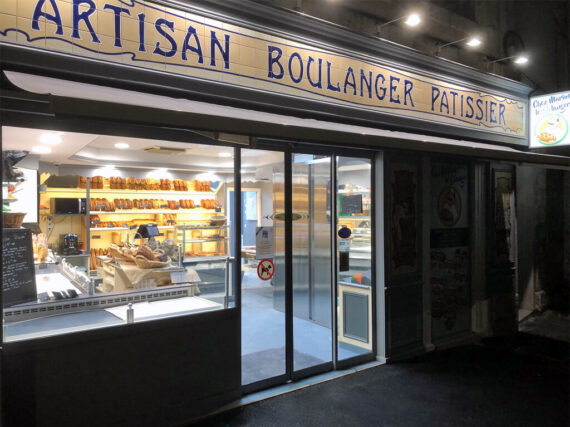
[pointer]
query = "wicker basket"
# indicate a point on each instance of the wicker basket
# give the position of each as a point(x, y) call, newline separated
point(218, 220)
point(13, 219)
point(143, 262)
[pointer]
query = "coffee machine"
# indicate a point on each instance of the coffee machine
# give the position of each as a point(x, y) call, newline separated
point(70, 244)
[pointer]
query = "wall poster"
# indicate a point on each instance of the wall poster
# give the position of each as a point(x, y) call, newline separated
point(449, 248)
point(404, 218)
point(503, 208)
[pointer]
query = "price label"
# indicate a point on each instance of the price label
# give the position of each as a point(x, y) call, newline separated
point(109, 225)
point(96, 222)
point(144, 206)
point(163, 206)
point(125, 225)
point(96, 236)
point(121, 206)
point(170, 221)
point(99, 207)
point(179, 206)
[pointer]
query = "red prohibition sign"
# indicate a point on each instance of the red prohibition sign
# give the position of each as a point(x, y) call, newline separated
point(265, 269)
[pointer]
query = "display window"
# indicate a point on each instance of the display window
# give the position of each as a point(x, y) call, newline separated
point(100, 230)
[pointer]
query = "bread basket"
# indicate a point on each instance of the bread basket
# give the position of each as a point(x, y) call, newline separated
point(13, 219)
point(218, 220)
point(143, 262)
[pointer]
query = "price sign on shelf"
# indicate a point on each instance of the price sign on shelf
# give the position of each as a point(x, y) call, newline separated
point(265, 269)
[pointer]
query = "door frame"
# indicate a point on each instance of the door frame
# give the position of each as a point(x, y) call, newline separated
point(289, 148)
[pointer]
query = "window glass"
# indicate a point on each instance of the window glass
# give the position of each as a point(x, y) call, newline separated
point(102, 230)
point(354, 259)
point(263, 265)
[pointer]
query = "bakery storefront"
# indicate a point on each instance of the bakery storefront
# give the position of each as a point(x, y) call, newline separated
point(203, 200)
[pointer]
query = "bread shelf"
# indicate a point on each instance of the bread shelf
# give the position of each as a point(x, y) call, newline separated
point(118, 192)
point(207, 240)
point(95, 229)
point(153, 211)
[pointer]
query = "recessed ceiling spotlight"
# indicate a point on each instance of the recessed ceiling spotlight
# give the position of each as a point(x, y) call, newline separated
point(413, 20)
point(40, 149)
point(122, 145)
point(473, 42)
point(521, 59)
point(225, 154)
point(51, 138)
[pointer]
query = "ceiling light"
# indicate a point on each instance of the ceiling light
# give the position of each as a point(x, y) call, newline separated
point(225, 154)
point(413, 20)
point(50, 138)
point(473, 42)
point(40, 149)
point(122, 145)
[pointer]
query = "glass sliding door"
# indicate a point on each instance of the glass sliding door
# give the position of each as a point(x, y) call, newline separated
point(311, 260)
point(263, 275)
point(354, 278)
point(306, 226)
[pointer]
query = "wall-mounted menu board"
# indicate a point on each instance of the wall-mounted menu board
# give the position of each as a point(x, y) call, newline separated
point(18, 274)
point(350, 204)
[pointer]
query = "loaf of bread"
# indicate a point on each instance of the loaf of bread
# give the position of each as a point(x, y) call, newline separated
point(145, 252)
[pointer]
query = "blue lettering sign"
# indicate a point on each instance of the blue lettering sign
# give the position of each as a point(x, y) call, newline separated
point(117, 10)
point(83, 16)
point(329, 85)
point(434, 96)
point(141, 17)
point(470, 111)
point(380, 89)
point(274, 60)
point(393, 87)
point(225, 51)
point(197, 49)
point(297, 79)
point(157, 49)
point(366, 82)
point(408, 86)
point(55, 18)
point(349, 80)
point(317, 84)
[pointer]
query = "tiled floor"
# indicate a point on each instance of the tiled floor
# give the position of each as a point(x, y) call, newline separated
point(263, 336)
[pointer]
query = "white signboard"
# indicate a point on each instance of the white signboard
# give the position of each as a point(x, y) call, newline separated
point(263, 242)
point(550, 120)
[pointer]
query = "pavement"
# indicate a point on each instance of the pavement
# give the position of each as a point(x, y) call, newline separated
point(521, 383)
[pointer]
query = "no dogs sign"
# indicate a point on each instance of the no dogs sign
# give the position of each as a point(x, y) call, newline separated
point(265, 269)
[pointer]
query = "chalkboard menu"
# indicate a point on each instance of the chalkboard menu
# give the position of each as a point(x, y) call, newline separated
point(351, 205)
point(18, 274)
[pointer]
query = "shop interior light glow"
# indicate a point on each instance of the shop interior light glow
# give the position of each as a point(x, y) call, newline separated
point(225, 154)
point(122, 145)
point(41, 149)
point(520, 60)
point(413, 20)
point(51, 138)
